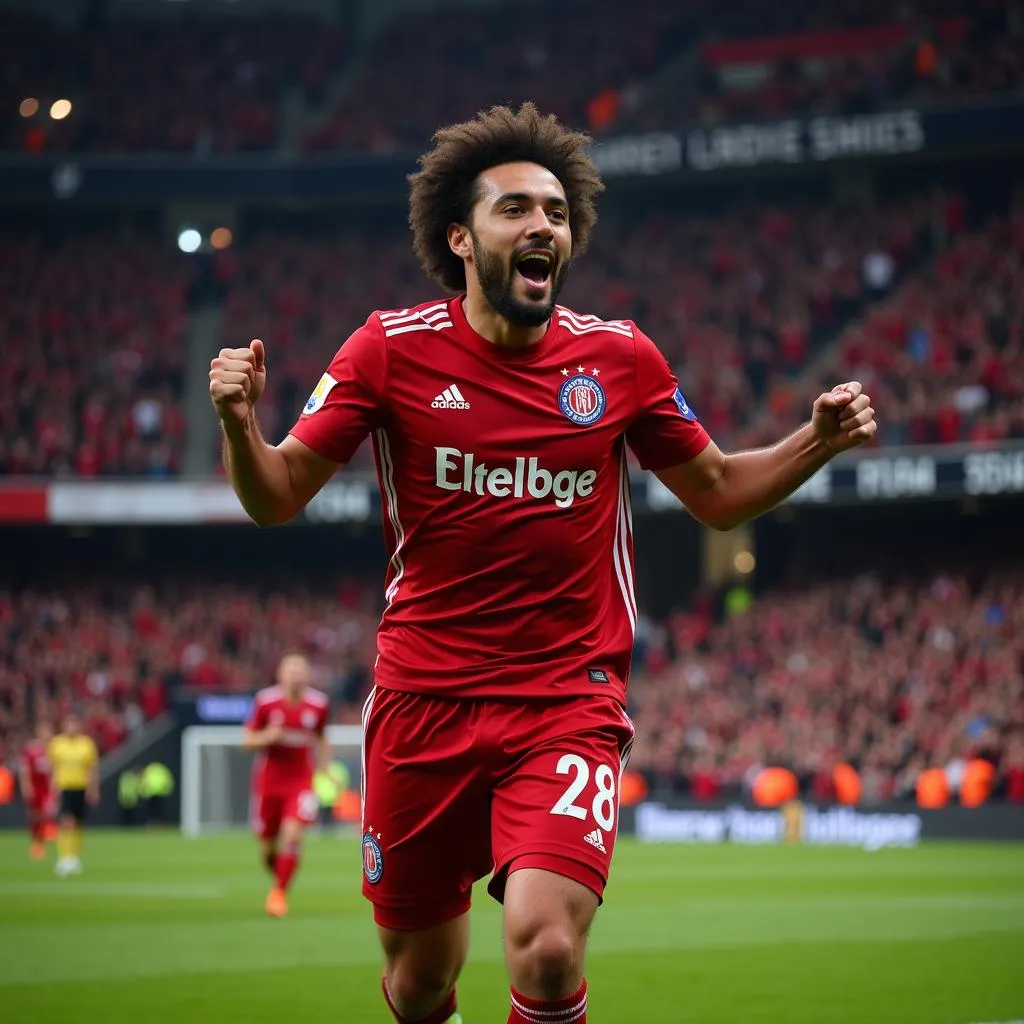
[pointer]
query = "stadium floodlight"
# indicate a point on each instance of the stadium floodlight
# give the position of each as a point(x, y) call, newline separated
point(216, 771)
point(189, 240)
point(60, 109)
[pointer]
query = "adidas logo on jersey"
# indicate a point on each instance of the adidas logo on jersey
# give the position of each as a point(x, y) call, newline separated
point(450, 398)
point(596, 839)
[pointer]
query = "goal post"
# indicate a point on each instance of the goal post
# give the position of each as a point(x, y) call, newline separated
point(216, 772)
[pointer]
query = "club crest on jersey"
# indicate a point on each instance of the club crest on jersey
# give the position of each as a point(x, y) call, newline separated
point(373, 859)
point(681, 404)
point(319, 395)
point(581, 399)
point(276, 717)
point(308, 719)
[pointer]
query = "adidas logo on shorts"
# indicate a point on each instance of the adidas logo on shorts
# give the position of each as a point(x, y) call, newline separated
point(596, 839)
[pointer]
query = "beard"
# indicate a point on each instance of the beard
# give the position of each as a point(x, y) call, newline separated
point(497, 282)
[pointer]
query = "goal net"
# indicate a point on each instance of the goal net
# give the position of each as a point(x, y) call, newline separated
point(216, 773)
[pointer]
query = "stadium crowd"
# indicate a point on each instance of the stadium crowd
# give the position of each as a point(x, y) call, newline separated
point(216, 85)
point(94, 342)
point(925, 297)
point(894, 677)
point(200, 86)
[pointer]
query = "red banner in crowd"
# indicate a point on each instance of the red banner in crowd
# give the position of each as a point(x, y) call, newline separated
point(765, 49)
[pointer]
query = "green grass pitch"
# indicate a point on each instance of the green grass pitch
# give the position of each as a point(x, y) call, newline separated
point(164, 929)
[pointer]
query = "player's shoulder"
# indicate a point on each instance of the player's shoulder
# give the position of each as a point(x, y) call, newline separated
point(433, 315)
point(588, 324)
point(317, 698)
point(268, 695)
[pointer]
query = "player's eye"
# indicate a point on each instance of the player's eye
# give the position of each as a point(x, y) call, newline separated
point(514, 209)
point(559, 215)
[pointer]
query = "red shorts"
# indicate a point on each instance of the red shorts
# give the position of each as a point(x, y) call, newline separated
point(456, 788)
point(268, 810)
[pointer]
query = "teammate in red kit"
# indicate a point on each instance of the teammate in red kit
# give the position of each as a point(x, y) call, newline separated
point(287, 727)
point(37, 789)
point(496, 734)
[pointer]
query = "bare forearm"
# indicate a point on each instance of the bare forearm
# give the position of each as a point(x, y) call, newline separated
point(259, 474)
point(752, 482)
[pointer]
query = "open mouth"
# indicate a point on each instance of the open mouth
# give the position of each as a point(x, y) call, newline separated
point(536, 267)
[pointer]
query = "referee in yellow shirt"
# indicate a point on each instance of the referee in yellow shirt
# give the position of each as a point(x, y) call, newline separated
point(74, 762)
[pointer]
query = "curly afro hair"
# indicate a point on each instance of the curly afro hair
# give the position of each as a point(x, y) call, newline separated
point(444, 189)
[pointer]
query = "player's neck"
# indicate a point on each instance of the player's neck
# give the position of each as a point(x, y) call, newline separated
point(493, 327)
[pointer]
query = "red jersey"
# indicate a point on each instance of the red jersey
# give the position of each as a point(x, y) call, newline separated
point(289, 764)
point(505, 490)
point(37, 764)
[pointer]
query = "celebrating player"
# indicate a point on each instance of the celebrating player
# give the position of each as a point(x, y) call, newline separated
point(74, 761)
point(286, 723)
point(496, 735)
point(36, 789)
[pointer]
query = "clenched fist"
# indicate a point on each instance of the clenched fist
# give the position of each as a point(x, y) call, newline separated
point(237, 379)
point(843, 418)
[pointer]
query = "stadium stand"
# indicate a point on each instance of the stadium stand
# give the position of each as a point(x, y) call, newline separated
point(93, 330)
point(943, 353)
point(198, 86)
point(893, 675)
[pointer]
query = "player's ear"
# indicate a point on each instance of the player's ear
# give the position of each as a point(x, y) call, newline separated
point(460, 240)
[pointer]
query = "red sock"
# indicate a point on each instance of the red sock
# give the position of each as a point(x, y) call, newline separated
point(556, 1011)
point(285, 865)
point(439, 1016)
point(38, 831)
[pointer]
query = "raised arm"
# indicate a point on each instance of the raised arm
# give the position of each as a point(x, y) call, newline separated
point(723, 491)
point(273, 482)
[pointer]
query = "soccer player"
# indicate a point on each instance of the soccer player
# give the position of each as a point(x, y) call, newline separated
point(286, 723)
point(496, 735)
point(74, 761)
point(36, 789)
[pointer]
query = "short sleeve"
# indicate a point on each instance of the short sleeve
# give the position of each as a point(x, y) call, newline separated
point(666, 430)
point(347, 402)
point(257, 716)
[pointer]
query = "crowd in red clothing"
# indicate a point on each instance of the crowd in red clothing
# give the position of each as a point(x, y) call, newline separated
point(945, 354)
point(893, 676)
point(119, 650)
point(94, 343)
point(215, 85)
point(198, 86)
point(889, 56)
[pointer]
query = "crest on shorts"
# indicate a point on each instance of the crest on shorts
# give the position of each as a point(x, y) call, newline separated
point(581, 399)
point(373, 859)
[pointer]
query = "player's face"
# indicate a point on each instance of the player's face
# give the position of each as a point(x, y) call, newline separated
point(44, 732)
point(293, 676)
point(522, 242)
point(72, 725)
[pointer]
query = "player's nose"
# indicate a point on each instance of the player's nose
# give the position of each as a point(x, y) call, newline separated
point(539, 226)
